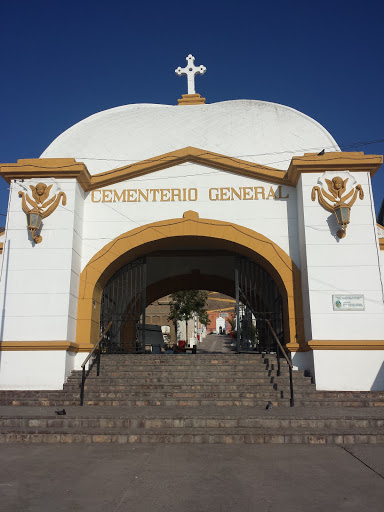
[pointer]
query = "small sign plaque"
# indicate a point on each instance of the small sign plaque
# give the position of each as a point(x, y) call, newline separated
point(348, 302)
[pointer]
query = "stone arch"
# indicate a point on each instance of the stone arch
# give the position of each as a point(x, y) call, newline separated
point(215, 234)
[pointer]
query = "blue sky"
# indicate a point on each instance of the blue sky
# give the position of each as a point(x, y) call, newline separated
point(62, 61)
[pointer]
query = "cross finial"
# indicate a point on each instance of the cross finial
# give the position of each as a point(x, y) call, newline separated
point(191, 70)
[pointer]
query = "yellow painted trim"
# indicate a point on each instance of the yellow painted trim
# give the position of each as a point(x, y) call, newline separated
point(294, 347)
point(191, 99)
point(188, 154)
point(346, 344)
point(69, 168)
point(165, 234)
point(58, 168)
point(1, 247)
point(335, 161)
point(6, 346)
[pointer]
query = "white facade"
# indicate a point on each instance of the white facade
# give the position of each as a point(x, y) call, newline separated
point(40, 282)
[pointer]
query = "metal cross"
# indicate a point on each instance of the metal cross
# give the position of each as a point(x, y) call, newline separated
point(191, 70)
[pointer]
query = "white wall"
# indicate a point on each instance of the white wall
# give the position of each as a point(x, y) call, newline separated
point(330, 265)
point(349, 370)
point(275, 219)
point(41, 369)
point(39, 282)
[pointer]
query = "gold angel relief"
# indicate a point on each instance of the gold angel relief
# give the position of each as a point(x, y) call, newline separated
point(40, 206)
point(335, 200)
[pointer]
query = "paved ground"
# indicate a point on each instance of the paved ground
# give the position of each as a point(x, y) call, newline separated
point(215, 344)
point(187, 478)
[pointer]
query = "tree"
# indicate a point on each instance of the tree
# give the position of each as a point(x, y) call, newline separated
point(185, 304)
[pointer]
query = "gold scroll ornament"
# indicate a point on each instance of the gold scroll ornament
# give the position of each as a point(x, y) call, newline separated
point(42, 206)
point(336, 198)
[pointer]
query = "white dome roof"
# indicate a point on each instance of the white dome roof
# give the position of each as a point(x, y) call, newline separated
point(256, 131)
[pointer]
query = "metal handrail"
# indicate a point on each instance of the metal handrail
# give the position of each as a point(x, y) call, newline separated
point(97, 344)
point(278, 342)
point(84, 374)
point(290, 365)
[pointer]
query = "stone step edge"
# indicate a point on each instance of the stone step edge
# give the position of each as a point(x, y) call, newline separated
point(195, 430)
point(150, 423)
point(221, 438)
point(113, 403)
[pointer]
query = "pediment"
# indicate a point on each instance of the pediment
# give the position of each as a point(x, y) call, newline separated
point(189, 154)
point(70, 168)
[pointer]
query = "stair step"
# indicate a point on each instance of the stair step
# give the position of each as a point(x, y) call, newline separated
point(190, 422)
point(194, 436)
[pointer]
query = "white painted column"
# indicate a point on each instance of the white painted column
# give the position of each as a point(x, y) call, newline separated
point(347, 266)
point(39, 289)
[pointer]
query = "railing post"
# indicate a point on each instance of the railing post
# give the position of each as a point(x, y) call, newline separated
point(144, 303)
point(278, 360)
point(287, 359)
point(237, 306)
point(292, 401)
point(82, 387)
point(98, 361)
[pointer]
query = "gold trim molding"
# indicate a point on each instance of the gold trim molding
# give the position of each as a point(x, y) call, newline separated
point(346, 344)
point(191, 99)
point(6, 346)
point(335, 161)
point(68, 168)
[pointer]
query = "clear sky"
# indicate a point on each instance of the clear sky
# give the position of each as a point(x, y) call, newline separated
point(62, 61)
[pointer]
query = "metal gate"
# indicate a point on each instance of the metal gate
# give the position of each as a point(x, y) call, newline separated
point(257, 300)
point(123, 302)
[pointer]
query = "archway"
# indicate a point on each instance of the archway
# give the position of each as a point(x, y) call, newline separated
point(186, 232)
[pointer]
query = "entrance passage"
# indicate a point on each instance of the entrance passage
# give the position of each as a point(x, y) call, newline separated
point(137, 284)
point(258, 308)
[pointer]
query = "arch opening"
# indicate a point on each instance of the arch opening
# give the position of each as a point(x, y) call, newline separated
point(190, 253)
point(133, 288)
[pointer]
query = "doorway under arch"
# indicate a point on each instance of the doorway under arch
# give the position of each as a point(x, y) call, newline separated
point(196, 237)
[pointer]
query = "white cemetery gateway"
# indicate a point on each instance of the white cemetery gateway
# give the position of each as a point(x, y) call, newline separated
point(236, 197)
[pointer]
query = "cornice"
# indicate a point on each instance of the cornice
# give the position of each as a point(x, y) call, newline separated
point(66, 168)
point(335, 161)
point(346, 344)
point(69, 168)
point(189, 154)
point(6, 346)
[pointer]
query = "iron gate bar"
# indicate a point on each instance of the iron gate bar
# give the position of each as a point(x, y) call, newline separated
point(123, 300)
point(237, 309)
point(144, 288)
point(256, 293)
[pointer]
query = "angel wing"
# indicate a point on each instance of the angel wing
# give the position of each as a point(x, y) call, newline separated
point(330, 188)
point(344, 187)
point(34, 193)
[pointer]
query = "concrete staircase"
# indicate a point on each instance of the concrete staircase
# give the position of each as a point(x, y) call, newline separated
point(218, 398)
point(191, 380)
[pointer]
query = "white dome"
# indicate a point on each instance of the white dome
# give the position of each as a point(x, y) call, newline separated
point(256, 131)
